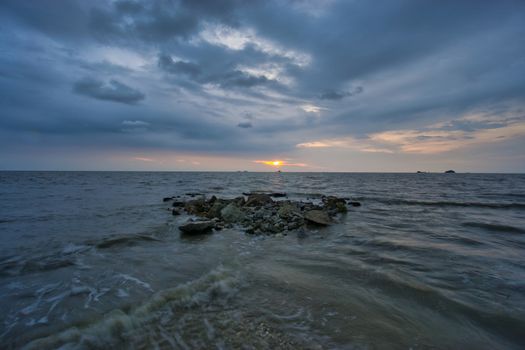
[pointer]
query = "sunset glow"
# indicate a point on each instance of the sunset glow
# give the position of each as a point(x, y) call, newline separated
point(279, 163)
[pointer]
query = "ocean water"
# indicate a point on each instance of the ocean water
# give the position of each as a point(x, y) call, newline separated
point(95, 260)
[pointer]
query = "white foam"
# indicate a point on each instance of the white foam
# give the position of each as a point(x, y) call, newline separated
point(121, 293)
point(137, 281)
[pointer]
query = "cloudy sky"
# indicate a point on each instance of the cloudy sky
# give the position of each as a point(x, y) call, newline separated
point(315, 85)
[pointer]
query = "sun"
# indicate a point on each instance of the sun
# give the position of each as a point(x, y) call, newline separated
point(276, 162)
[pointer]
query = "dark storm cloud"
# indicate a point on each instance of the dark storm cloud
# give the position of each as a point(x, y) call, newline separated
point(304, 70)
point(167, 63)
point(245, 125)
point(112, 91)
point(226, 79)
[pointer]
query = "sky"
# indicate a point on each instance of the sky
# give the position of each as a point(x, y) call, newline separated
point(298, 85)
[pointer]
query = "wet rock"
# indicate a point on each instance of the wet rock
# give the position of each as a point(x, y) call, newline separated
point(318, 217)
point(333, 203)
point(354, 204)
point(232, 213)
point(288, 211)
point(195, 206)
point(271, 194)
point(175, 212)
point(193, 194)
point(177, 204)
point(197, 227)
point(239, 201)
point(212, 200)
point(341, 207)
point(258, 200)
point(215, 210)
point(167, 199)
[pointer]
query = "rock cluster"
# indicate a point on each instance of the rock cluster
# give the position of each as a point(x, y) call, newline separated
point(257, 213)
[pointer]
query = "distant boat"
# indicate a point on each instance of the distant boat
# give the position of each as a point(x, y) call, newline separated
point(421, 172)
point(450, 172)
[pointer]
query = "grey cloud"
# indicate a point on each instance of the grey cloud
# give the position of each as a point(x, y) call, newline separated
point(113, 91)
point(421, 62)
point(339, 95)
point(167, 63)
point(245, 125)
point(227, 79)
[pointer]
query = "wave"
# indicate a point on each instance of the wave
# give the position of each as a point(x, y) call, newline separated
point(396, 201)
point(494, 227)
point(17, 265)
point(117, 327)
point(127, 240)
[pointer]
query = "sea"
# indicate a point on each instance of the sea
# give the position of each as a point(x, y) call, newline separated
point(95, 260)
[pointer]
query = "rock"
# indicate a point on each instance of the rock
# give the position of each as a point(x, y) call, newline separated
point(175, 212)
point(258, 200)
point(212, 200)
point(288, 210)
point(239, 201)
point(450, 172)
point(177, 204)
point(215, 210)
point(319, 217)
point(332, 202)
point(196, 227)
point(232, 213)
point(341, 207)
point(193, 194)
point(354, 204)
point(167, 199)
point(195, 206)
point(271, 194)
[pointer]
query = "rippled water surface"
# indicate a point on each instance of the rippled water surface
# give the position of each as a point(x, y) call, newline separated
point(95, 260)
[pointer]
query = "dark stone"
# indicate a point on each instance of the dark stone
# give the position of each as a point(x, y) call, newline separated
point(239, 201)
point(258, 200)
point(318, 217)
point(167, 199)
point(197, 227)
point(450, 172)
point(215, 210)
point(212, 200)
point(195, 206)
point(177, 204)
point(175, 212)
point(232, 213)
point(354, 204)
point(341, 207)
point(332, 202)
point(193, 194)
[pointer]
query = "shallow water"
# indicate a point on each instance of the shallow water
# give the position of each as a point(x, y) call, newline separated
point(95, 260)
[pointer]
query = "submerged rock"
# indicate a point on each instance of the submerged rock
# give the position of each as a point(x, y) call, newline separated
point(197, 227)
point(318, 217)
